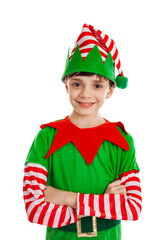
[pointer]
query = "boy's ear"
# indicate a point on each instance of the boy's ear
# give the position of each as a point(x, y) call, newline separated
point(110, 92)
point(66, 86)
point(65, 83)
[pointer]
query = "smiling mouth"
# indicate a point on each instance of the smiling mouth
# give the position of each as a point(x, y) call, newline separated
point(86, 103)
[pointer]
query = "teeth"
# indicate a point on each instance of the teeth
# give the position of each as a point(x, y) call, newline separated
point(86, 104)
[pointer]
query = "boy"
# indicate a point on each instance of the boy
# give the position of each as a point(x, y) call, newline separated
point(81, 177)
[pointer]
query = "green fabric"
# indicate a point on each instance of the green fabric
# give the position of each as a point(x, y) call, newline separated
point(110, 234)
point(128, 159)
point(67, 170)
point(121, 82)
point(92, 63)
point(40, 146)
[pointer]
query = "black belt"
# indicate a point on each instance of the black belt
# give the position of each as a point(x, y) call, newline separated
point(86, 225)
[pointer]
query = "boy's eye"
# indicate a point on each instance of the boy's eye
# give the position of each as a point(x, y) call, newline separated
point(76, 84)
point(98, 86)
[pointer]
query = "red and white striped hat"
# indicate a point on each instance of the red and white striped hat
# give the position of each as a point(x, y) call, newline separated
point(87, 40)
point(89, 37)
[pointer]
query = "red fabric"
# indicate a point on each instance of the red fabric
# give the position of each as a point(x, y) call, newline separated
point(82, 205)
point(86, 140)
point(114, 206)
point(91, 204)
point(62, 216)
point(123, 209)
point(101, 206)
point(125, 174)
point(42, 214)
point(39, 211)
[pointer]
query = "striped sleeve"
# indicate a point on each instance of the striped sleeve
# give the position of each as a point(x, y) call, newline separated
point(114, 206)
point(38, 211)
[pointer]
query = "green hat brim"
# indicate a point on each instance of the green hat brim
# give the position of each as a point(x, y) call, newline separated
point(92, 63)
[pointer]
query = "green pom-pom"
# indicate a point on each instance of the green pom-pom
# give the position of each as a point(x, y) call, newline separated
point(121, 82)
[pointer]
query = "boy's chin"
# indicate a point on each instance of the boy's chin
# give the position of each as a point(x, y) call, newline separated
point(86, 113)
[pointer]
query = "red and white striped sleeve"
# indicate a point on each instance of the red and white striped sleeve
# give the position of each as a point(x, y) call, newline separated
point(114, 206)
point(39, 211)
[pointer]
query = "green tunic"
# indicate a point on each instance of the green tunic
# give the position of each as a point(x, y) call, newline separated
point(68, 171)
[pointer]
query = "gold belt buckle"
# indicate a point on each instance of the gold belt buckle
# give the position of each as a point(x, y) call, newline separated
point(89, 234)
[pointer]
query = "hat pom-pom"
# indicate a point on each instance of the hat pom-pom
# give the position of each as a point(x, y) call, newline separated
point(121, 82)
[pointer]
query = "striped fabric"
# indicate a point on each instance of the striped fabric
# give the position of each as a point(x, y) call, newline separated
point(89, 37)
point(39, 211)
point(109, 206)
point(114, 206)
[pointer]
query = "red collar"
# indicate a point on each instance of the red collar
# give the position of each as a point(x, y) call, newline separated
point(86, 140)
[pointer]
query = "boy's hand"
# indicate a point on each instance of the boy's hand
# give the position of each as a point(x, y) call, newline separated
point(116, 188)
point(54, 196)
point(60, 197)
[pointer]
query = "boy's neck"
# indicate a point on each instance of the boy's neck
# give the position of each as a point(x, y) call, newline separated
point(86, 121)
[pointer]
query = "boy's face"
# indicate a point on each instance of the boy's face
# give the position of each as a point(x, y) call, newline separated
point(87, 94)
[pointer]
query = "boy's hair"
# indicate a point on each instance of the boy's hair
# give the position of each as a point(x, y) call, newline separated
point(88, 74)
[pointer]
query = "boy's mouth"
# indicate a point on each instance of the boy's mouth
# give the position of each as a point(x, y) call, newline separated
point(86, 104)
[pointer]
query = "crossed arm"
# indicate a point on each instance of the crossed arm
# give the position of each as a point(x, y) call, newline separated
point(56, 208)
point(60, 197)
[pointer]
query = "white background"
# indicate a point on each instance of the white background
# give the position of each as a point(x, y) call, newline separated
point(34, 40)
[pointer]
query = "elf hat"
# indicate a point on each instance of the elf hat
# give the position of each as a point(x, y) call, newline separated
point(95, 52)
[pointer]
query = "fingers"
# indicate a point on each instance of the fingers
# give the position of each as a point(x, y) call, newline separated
point(116, 188)
point(115, 183)
point(49, 190)
point(119, 190)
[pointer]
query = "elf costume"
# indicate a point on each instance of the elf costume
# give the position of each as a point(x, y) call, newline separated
point(84, 160)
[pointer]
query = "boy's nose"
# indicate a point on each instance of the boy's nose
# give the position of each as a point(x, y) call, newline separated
point(85, 92)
